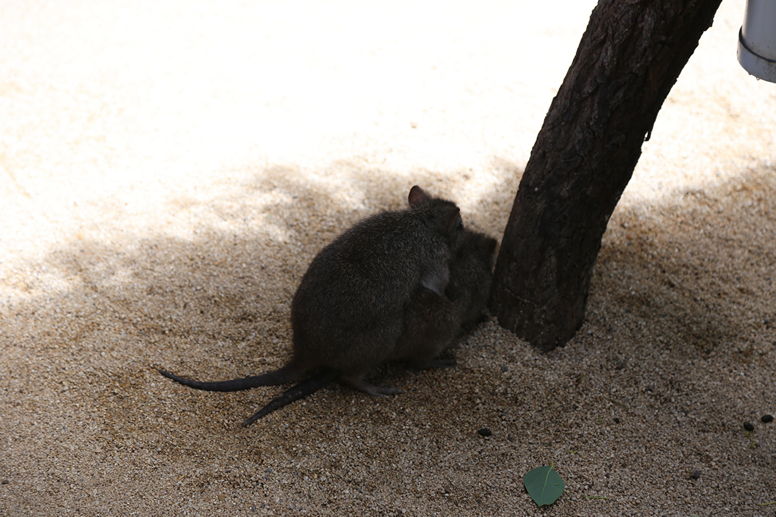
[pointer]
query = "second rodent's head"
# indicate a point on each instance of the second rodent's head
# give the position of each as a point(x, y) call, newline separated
point(481, 246)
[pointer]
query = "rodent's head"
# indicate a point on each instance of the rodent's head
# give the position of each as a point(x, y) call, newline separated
point(487, 248)
point(478, 247)
point(471, 274)
point(441, 215)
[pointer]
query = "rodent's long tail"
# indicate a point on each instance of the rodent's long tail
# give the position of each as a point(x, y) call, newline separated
point(301, 390)
point(286, 374)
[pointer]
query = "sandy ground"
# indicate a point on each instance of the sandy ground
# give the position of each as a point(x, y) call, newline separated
point(168, 169)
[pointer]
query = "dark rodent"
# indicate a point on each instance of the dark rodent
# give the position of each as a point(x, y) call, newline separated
point(433, 322)
point(348, 312)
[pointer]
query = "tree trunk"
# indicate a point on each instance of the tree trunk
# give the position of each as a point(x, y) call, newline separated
point(628, 59)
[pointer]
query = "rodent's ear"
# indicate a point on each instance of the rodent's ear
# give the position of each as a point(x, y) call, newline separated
point(417, 196)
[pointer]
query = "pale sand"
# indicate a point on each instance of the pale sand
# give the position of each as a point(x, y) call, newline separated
point(167, 171)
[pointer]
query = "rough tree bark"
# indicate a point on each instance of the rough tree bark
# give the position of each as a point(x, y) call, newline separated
point(628, 59)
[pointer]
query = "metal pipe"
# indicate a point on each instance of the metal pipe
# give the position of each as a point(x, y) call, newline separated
point(757, 39)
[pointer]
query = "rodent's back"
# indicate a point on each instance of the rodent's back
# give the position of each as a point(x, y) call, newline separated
point(355, 288)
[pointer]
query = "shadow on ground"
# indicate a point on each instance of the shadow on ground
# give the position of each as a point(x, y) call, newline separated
point(676, 290)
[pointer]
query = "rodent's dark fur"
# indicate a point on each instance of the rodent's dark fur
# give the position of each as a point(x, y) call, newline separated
point(348, 312)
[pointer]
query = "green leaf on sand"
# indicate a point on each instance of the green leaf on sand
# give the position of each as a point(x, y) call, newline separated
point(544, 485)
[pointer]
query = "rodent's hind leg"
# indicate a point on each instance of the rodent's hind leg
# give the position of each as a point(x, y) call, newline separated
point(357, 381)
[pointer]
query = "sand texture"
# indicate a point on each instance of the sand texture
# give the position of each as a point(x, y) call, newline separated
point(168, 170)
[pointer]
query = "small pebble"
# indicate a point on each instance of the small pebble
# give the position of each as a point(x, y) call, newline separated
point(485, 432)
point(748, 426)
point(695, 474)
point(616, 420)
point(767, 419)
point(4, 482)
